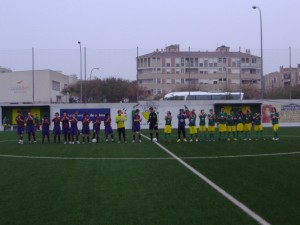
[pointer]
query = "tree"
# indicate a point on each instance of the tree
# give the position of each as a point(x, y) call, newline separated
point(105, 90)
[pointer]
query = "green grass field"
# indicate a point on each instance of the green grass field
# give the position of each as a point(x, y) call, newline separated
point(111, 183)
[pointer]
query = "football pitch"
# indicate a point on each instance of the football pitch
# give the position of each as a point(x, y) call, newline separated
point(220, 183)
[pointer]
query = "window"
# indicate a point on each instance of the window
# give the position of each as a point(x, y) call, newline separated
point(168, 71)
point(55, 85)
point(254, 60)
point(177, 71)
point(215, 82)
point(205, 63)
point(158, 81)
point(168, 62)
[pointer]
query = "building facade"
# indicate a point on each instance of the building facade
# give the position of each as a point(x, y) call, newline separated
point(284, 78)
point(39, 86)
point(168, 70)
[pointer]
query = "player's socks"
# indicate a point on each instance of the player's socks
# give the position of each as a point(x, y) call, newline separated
point(58, 139)
point(97, 139)
point(83, 139)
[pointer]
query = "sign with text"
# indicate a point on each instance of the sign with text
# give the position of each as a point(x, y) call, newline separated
point(91, 112)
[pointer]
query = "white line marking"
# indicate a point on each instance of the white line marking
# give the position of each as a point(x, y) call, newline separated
point(236, 202)
point(81, 158)
point(240, 156)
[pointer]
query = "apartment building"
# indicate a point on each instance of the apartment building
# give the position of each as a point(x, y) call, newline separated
point(284, 77)
point(164, 71)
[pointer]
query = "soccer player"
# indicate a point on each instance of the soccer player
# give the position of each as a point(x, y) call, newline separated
point(240, 125)
point(181, 125)
point(168, 126)
point(120, 120)
point(222, 117)
point(108, 128)
point(86, 128)
point(275, 121)
point(136, 125)
point(192, 124)
point(96, 127)
point(20, 125)
point(45, 129)
point(66, 128)
point(152, 121)
point(211, 124)
point(248, 124)
point(56, 127)
point(231, 126)
point(74, 128)
point(257, 125)
point(30, 128)
point(37, 122)
point(202, 126)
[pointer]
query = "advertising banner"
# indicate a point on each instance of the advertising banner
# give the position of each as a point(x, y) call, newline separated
point(91, 112)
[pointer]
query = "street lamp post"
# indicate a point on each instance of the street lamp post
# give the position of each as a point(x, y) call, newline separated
point(80, 72)
point(261, 54)
point(96, 68)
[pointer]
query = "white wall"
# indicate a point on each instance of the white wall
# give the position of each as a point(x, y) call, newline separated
point(291, 118)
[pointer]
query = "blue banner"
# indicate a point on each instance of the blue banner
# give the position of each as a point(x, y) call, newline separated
point(91, 112)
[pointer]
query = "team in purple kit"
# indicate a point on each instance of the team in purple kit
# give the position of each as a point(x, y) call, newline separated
point(136, 129)
point(45, 129)
point(20, 127)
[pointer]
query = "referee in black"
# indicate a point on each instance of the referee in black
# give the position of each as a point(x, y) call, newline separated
point(152, 121)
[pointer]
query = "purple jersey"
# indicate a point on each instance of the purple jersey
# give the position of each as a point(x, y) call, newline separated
point(96, 123)
point(56, 121)
point(73, 122)
point(20, 121)
point(29, 121)
point(136, 119)
point(65, 122)
point(45, 123)
point(107, 122)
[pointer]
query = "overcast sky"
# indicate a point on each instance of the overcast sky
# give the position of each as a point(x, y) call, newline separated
point(115, 28)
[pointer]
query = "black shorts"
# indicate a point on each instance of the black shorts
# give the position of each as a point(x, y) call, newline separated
point(153, 127)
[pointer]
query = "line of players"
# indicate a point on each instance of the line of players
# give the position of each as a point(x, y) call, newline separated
point(230, 126)
point(69, 128)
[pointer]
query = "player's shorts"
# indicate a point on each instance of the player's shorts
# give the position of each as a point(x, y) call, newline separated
point(45, 132)
point(258, 127)
point(85, 130)
point(74, 130)
point(275, 127)
point(56, 130)
point(222, 127)
point(30, 129)
point(193, 130)
point(66, 130)
point(231, 128)
point(168, 129)
point(211, 128)
point(153, 127)
point(20, 130)
point(136, 128)
point(108, 130)
point(202, 128)
point(240, 127)
point(96, 130)
point(247, 127)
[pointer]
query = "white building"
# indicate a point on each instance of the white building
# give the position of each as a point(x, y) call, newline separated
point(38, 86)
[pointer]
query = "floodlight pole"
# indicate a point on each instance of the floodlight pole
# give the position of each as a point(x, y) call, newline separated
point(261, 54)
point(80, 53)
